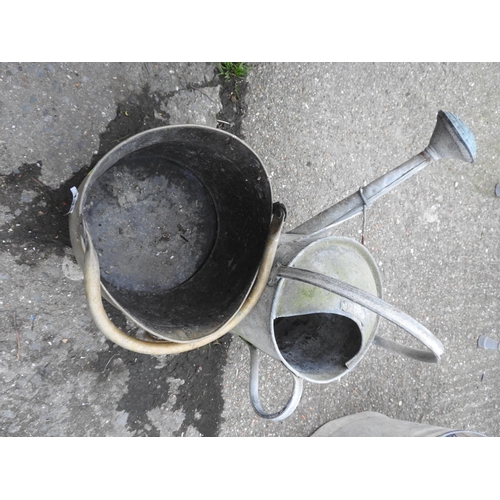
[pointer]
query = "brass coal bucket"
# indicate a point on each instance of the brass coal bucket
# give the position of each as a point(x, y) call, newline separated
point(175, 228)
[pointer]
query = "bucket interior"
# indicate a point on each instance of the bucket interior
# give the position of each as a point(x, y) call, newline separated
point(318, 345)
point(180, 226)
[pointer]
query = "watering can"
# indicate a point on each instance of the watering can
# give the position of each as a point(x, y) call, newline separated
point(176, 227)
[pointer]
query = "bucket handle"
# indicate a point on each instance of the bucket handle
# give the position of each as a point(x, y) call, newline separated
point(378, 306)
point(293, 402)
point(92, 282)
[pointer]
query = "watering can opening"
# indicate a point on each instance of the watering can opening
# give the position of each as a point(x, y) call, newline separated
point(179, 217)
point(318, 345)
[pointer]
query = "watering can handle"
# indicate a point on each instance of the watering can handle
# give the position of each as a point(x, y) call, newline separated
point(378, 306)
point(294, 400)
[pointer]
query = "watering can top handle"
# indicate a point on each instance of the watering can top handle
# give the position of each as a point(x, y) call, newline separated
point(92, 280)
point(378, 306)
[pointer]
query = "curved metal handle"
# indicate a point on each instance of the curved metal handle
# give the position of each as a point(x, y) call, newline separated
point(92, 281)
point(294, 400)
point(378, 306)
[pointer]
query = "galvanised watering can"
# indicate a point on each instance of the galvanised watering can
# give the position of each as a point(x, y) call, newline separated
point(320, 312)
point(176, 227)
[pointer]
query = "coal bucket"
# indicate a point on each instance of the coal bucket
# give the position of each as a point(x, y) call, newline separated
point(172, 227)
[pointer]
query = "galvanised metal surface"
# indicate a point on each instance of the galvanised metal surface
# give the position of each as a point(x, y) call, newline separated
point(202, 182)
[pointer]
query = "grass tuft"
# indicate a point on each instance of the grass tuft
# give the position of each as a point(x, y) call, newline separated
point(229, 70)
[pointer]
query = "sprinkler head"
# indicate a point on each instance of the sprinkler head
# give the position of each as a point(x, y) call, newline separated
point(452, 139)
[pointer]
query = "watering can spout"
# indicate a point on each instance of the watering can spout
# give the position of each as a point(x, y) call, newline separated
point(451, 139)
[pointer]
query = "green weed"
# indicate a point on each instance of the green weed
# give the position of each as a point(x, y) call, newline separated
point(229, 70)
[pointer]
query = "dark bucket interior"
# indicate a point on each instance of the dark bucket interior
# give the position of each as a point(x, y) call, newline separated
point(180, 227)
point(318, 345)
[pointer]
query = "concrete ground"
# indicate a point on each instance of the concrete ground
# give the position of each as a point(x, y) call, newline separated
point(323, 130)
